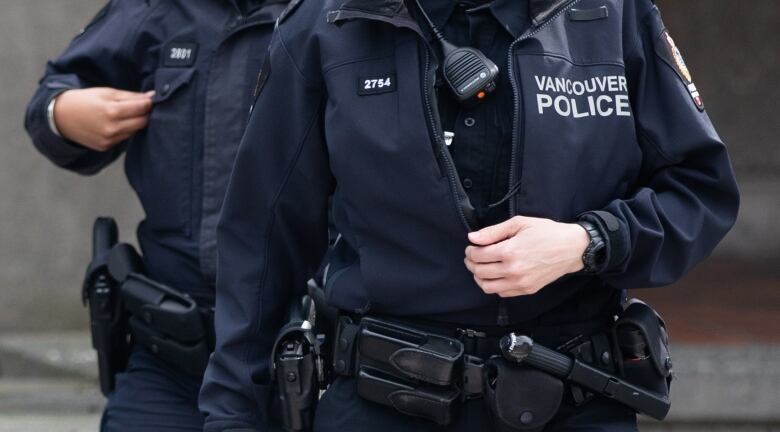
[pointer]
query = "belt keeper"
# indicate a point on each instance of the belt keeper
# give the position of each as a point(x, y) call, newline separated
point(344, 346)
point(473, 380)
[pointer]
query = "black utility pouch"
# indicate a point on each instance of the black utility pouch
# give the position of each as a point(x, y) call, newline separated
point(411, 370)
point(644, 360)
point(166, 322)
point(435, 403)
point(414, 354)
point(520, 398)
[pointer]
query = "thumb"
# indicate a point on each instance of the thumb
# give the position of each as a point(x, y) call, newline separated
point(497, 233)
point(123, 95)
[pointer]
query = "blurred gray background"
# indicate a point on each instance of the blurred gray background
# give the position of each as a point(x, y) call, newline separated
point(724, 318)
point(45, 213)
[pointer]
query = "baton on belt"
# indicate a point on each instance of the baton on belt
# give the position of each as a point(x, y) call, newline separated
point(521, 349)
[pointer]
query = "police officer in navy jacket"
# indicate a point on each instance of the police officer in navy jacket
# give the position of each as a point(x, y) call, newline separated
point(591, 169)
point(168, 83)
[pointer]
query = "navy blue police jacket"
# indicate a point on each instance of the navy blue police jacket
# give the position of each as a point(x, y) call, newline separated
point(608, 127)
point(202, 58)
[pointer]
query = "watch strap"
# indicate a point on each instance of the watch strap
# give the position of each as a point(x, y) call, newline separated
point(594, 256)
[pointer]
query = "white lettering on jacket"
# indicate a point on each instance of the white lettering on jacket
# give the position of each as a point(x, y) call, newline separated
point(601, 96)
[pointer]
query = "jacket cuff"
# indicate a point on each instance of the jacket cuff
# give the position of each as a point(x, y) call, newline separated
point(615, 236)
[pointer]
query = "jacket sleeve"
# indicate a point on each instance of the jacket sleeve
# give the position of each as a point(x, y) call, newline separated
point(272, 235)
point(102, 55)
point(687, 198)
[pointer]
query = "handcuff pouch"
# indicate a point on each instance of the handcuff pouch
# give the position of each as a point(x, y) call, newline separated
point(520, 398)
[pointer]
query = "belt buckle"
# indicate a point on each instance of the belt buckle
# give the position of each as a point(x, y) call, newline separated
point(469, 339)
point(470, 333)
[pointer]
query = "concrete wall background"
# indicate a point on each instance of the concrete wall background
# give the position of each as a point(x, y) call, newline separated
point(46, 213)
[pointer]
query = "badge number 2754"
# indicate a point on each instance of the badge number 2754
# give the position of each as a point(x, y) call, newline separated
point(375, 83)
point(372, 85)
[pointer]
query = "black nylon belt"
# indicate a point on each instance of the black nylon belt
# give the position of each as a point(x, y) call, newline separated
point(478, 345)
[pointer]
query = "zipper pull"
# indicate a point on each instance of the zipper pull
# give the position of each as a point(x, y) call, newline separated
point(448, 137)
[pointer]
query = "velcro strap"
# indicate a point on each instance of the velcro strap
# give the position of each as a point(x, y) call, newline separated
point(421, 404)
point(609, 225)
point(588, 14)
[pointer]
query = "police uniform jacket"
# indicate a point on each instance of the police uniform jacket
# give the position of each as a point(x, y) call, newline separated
point(607, 126)
point(202, 58)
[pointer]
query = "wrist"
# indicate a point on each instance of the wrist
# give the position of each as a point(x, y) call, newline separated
point(579, 243)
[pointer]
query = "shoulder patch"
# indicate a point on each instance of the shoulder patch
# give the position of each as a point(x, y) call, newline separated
point(667, 50)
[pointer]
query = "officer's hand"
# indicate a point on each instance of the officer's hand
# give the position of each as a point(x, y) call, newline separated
point(100, 118)
point(523, 255)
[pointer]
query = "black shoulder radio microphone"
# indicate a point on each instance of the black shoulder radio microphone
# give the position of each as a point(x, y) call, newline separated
point(470, 75)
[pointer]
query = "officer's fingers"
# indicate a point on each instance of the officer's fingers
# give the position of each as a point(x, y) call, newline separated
point(489, 271)
point(513, 293)
point(496, 233)
point(492, 286)
point(469, 264)
point(120, 95)
point(130, 108)
point(118, 139)
point(127, 127)
point(486, 254)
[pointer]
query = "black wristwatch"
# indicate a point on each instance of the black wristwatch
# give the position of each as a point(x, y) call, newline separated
point(596, 253)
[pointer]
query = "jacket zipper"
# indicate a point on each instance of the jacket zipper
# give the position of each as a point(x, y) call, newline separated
point(503, 314)
point(443, 152)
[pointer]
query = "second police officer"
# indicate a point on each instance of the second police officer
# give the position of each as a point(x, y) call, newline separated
point(168, 83)
point(529, 204)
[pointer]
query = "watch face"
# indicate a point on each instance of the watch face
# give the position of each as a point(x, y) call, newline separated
point(595, 255)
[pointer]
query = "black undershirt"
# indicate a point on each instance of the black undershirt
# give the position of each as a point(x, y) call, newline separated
point(482, 145)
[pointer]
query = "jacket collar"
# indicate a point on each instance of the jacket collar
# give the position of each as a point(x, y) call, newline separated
point(541, 10)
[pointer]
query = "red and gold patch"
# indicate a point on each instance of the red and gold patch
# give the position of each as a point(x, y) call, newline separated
point(668, 51)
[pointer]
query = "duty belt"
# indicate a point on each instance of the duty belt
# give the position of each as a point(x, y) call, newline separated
point(425, 372)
